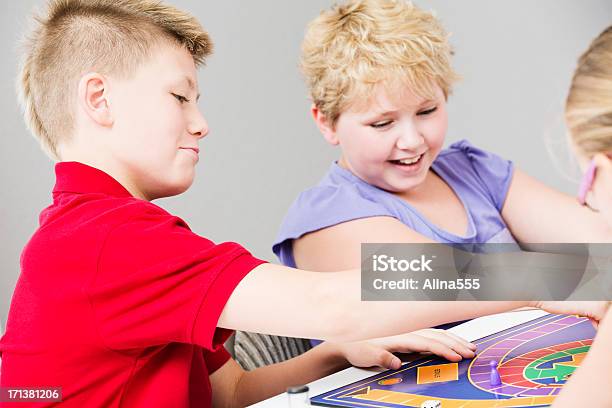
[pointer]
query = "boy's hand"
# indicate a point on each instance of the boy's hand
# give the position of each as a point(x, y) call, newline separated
point(595, 311)
point(378, 352)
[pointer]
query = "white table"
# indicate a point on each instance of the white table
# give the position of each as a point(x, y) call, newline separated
point(472, 330)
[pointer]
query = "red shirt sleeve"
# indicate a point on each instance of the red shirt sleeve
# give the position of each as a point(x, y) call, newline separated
point(158, 282)
point(215, 359)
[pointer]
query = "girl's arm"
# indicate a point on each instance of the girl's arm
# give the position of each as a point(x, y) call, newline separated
point(338, 247)
point(590, 384)
point(536, 213)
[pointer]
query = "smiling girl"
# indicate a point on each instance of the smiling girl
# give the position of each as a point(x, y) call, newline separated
point(379, 76)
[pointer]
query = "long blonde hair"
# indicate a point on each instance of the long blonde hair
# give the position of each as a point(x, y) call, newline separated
point(588, 109)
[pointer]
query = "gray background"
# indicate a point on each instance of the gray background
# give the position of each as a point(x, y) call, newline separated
point(516, 58)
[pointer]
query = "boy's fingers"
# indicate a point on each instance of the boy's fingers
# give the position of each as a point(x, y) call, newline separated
point(408, 343)
point(449, 346)
point(395, 363)
point(411, 343)
point(387, 359)
point(460, 346)
point(440, 332)
point(438, 343)
point(463, 341)
point(443, 350)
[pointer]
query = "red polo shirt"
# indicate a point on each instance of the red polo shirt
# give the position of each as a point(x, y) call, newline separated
point(118, 301)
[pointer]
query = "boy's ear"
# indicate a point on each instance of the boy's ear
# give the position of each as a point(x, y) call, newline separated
point(93, 98)
point(324, 126)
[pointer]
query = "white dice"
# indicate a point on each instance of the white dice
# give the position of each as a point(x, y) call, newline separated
point(431, 404)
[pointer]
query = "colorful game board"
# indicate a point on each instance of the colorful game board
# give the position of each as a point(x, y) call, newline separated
point(534, 361)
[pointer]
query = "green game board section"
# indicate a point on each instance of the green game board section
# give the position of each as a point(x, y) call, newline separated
point(559, 371)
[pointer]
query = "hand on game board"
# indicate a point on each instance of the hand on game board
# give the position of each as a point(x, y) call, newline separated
point(378, 352)
point(595, 311)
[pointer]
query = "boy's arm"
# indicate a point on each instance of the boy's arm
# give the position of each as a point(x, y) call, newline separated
point(234, 387)
point(290, 302)
point(536, 213)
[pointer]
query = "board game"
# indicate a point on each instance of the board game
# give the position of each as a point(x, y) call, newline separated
point(523, 366)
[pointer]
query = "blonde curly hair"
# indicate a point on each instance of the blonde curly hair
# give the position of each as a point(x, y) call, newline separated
point(360, 44)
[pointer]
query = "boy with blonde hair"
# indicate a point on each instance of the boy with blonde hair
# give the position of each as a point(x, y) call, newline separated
point(118, 302)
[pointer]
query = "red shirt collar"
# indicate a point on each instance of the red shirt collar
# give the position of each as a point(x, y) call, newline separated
point(75, 177)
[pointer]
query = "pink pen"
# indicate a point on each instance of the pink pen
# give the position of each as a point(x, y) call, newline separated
point(587, 182)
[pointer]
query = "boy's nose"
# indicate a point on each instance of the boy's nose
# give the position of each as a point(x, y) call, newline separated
point(198, 126)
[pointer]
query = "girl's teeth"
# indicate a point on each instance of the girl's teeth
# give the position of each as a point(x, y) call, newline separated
point(410, 161)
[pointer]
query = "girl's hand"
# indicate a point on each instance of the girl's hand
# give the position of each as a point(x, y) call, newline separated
point(378, 352)
point(595, 311)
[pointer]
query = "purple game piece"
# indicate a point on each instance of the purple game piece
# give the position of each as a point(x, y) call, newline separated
point(495, 379)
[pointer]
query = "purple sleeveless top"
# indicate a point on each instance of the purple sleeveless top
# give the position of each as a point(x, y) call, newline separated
point(480, 179)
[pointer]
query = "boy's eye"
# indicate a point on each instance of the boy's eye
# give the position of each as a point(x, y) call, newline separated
point(382, 124)
point(180, 98)
point(428, 111)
